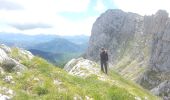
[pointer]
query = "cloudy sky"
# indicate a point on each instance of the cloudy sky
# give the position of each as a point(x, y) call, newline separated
point(65, 17)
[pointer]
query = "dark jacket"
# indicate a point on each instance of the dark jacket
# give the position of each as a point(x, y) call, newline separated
point(103, 56)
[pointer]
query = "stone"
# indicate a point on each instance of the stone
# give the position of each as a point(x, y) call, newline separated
point(4, 97)
point(88, 98)
point(10, 64)
point(77, 97)
point(138, 98)
point(57, 82)
point(82, 67)
point(8, 93)
point(3, 56)
point(13, 65)
point(8, 79)
point(36, 79)
point(5, 48)
point(27, 53)
point(162, 89)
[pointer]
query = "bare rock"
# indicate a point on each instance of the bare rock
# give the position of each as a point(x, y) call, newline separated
point(6, 94)
point(8, 79)
point(82, 67)
point(4, 97)
point(26, 53)
point(162, 90)
point(3, 56)
point(5, 48)
point(13, 65)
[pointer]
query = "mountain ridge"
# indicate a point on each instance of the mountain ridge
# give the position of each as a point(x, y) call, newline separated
point(137, 45)
point(56, 49)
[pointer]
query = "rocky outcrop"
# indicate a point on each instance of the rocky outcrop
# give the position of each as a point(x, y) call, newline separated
point(9, 63)
point(8, 93)
point(26, 53)
point(3, 56)
point(5, 48)
point(138, 46)
point(82, 67)
point(162, 90)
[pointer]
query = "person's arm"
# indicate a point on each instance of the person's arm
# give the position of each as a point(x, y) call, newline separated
point(107, 58)
point(100, 56)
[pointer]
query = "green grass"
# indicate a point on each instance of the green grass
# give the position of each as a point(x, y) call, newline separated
point(37, 83)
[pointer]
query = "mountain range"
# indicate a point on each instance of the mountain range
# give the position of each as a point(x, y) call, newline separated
point(56, 49)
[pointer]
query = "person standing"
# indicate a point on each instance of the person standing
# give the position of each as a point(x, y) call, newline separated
point(103, 60)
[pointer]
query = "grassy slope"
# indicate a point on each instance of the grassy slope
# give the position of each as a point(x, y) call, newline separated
point(27, 88)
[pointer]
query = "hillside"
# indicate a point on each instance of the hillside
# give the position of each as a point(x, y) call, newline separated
point(27, 77)
point(138, 47)
point(59, 59)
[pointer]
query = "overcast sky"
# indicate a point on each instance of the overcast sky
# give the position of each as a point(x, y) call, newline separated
point(65, 17)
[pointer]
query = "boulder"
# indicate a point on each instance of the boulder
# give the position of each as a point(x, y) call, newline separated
point(13, 65)
point(82, 67)
point(26, 53)
point(3, 56)
point(5, 48)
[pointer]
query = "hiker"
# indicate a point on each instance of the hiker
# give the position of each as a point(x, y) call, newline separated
point(104, 60)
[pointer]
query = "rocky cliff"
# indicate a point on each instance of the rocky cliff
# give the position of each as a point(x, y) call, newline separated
point(138, 46)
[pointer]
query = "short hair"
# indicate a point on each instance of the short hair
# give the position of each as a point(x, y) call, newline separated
point(102, 48)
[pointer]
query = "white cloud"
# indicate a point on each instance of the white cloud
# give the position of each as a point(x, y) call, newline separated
point(46, 12)
point(9, 5)
point(60, 25)
point(100, 7)
point(55, 5)
point(143, 7)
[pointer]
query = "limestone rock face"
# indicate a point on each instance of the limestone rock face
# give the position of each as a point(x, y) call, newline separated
point(5, 48)
point(82, 67)
point(3, 55)
point(8, 63)
point(162, 90)
point(8, 93)
point(13, 65)
point(138, 46)
point(26, 53)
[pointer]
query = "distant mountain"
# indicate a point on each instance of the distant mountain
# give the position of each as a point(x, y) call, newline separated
point(79, 39)
point(46, 55)
point(25, 41)
point(59, 59)
point(54, 48)
point(59, 45)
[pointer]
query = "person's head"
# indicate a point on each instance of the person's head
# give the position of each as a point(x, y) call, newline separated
point(102, 49)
